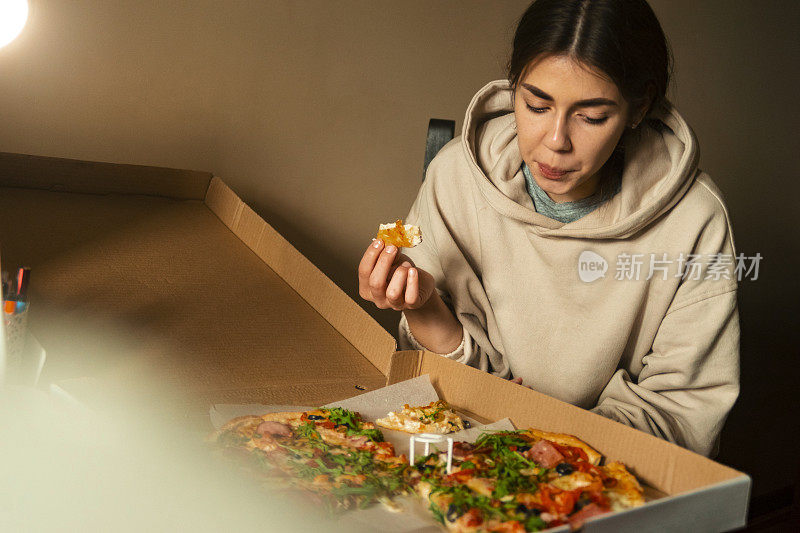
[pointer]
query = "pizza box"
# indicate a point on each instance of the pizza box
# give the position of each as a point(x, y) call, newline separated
point(150, 278)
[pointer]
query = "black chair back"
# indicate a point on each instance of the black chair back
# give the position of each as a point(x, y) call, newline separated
point(440, 132)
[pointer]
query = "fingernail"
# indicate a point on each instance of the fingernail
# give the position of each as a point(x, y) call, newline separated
point(412, 272)
point(376, 243)
point(390, 249)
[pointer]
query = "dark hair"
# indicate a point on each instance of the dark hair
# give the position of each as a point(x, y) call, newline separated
point(621, 38)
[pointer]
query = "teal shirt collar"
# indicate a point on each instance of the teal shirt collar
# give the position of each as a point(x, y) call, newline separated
point(566, 211)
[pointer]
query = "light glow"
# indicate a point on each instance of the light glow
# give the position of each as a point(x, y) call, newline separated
point(13, 15)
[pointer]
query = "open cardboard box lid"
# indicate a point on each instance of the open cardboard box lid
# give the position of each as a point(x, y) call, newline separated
point(143, 273)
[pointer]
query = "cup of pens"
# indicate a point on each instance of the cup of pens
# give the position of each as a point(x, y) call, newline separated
point(15, 315)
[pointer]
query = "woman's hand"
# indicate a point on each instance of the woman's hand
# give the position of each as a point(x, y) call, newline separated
point(390, 280)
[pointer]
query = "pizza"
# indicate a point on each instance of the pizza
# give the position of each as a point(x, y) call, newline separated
point(399, 234)
point(509, 481)
point(330, 453)
point(436, 417)
point(517, 481)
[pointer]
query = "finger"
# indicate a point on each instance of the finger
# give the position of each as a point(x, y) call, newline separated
point(412, 288)
point(397, 264)
point(395, 291)
point(379, 277)
point(366, 266)
point(403, 258)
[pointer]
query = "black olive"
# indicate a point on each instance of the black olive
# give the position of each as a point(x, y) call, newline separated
point(467, 424)
point(453, 512)
point(315, 417)
point(521, 449)
point(564, 469)
point(581, 503)
point(527, 511)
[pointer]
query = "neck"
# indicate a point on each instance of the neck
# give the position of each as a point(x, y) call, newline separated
point(584, 190)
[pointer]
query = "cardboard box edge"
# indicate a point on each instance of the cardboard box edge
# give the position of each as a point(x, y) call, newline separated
point(93, 177)
point(310, 283)
point(730, 499)
point(403, 365)
point(669, 473)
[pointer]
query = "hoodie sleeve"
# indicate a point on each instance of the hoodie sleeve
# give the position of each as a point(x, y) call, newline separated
point(407, 341)
point(426, 256)
point(689, 379)
point(442, 208)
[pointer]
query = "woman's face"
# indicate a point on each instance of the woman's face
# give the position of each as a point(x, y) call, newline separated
point(569, 120)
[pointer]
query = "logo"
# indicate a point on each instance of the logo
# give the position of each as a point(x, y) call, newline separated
point(591, 266)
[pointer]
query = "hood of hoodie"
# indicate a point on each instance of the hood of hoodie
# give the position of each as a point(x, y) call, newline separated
point(661, 158)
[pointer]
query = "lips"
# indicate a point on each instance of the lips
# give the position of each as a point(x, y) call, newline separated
point(552, 173)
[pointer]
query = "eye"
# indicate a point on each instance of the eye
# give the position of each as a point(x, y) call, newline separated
point(594, 121)
point(536, 109)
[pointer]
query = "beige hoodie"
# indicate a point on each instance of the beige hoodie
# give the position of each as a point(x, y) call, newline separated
point(658, 354)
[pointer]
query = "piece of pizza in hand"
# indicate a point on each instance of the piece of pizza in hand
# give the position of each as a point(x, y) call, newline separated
point(436, 417)
point(399, 234)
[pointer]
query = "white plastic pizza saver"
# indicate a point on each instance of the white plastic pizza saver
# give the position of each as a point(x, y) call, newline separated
point(428, 439)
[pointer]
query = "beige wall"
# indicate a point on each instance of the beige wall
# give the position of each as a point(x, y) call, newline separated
point(736, 81)
point(315, 112)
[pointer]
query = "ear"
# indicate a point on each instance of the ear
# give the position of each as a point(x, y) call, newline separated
point(638, 112)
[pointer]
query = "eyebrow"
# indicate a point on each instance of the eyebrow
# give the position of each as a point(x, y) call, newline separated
point(591, 102)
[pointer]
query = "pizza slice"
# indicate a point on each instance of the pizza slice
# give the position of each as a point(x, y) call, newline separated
point(436, 417)
point(550, 448)
point(625, 492)
point(331, 454)
point(525, 480)
point(399, 234)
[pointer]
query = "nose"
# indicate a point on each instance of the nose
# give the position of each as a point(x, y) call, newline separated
point(557, 138)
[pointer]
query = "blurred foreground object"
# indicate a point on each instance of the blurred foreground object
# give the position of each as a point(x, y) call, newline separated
point(66, 468)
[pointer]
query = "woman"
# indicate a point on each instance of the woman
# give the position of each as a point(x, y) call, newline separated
point(572, 241)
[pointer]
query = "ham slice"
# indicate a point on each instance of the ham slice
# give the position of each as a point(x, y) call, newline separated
point(274, 428)
point(545, 454)
point(462, 449)
point(577, 519)
point(359, 441)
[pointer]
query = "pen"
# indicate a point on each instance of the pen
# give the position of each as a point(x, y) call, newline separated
point(23, 276)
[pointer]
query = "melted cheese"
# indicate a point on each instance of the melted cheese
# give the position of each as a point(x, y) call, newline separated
point(481, 485)
point(436, 417)
point(627, 493)
point(576, 480)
